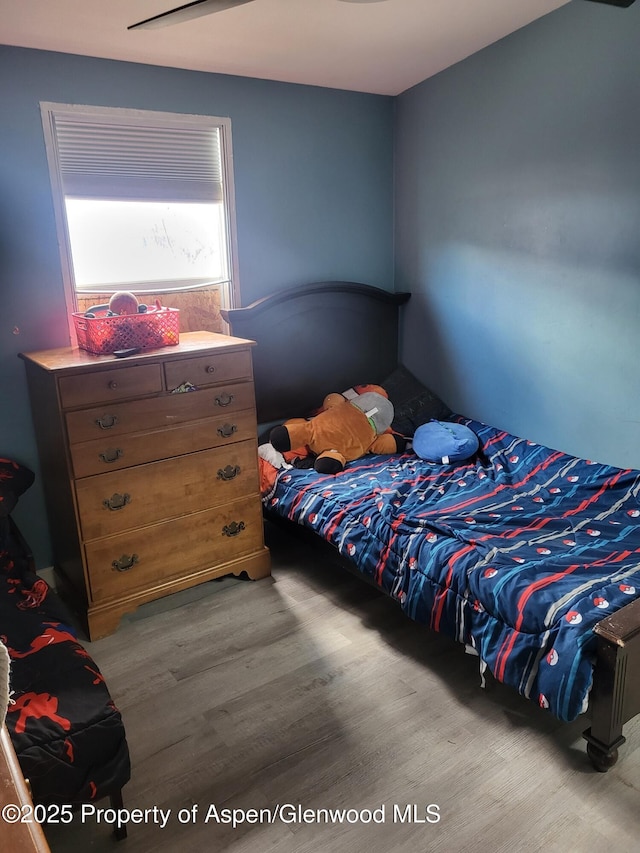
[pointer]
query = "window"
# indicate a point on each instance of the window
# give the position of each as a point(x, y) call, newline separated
point(144, 201)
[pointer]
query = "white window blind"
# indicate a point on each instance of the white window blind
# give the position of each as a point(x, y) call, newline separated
point(136, 161)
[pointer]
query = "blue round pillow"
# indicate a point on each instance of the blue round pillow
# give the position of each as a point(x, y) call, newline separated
point(442, 442)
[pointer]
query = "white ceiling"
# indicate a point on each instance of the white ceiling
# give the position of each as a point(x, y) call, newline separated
point(380, 47)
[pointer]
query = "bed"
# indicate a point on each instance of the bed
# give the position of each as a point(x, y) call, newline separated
point(67, 733)
point(526, 555)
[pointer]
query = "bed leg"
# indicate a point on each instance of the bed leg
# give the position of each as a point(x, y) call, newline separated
point(116, 802)
point(604, 738)
point(602, 756)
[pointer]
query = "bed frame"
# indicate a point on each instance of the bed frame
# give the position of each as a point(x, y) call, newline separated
point(328, 336)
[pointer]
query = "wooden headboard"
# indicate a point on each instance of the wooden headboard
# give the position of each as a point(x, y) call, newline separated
point(317, 338)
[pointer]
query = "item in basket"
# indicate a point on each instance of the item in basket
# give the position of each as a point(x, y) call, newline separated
point(139, 333)
point(123, 302)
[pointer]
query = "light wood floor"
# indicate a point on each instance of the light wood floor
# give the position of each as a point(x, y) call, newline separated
point(313, 690)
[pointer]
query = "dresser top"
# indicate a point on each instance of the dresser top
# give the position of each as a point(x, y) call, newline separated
point(191, 343)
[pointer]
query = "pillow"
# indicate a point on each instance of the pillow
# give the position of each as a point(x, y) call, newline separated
point(14, 480)
point(413, 402)
point(445, 442)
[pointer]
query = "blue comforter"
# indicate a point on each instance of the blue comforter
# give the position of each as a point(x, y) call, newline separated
point(518, 552)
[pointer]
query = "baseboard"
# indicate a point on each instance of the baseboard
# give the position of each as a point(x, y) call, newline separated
point(47, 574)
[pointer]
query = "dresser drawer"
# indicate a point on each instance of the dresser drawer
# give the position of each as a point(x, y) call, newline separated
point(105, 385)
point(156, 412)
point(135, 497)
point(144, 558)
point(208, 369)
point(103, 455)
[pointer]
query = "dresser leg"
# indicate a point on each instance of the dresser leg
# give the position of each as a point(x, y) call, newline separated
point(256, 567)
point(104, 622)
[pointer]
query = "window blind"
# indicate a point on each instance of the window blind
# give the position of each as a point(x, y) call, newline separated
point(138, 161)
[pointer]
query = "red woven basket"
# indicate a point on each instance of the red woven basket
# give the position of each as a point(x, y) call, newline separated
point(158, 327)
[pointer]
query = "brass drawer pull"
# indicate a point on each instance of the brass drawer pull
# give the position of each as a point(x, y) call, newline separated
point(229, 472)
point(224, 399)
point(210, 368)
point(227, 430)
point(125, 563)
point(116, 501)
point(107, 421)
point(111, 454)
point(234, 528)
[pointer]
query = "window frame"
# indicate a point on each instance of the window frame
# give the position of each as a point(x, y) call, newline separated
point(119, 115)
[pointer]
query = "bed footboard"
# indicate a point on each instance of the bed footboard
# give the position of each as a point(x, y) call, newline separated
point(615, 696)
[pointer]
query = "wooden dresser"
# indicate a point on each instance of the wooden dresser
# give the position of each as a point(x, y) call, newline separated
point(150, 488)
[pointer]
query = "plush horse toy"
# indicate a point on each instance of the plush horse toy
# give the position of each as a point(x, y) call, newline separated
point(344, 430)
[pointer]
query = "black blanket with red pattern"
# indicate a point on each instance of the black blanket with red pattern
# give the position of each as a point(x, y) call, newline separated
point(66, 731)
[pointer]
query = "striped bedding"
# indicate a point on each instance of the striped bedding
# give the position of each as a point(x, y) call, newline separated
point(518, 552)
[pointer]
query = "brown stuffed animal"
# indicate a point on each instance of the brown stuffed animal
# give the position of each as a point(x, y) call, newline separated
point(342, 432)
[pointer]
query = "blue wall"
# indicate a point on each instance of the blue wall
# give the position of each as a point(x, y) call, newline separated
point(314, 200)
point(518, 231)
point(517, 219)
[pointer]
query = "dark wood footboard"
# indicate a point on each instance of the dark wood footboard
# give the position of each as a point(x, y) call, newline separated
point(615, 696)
